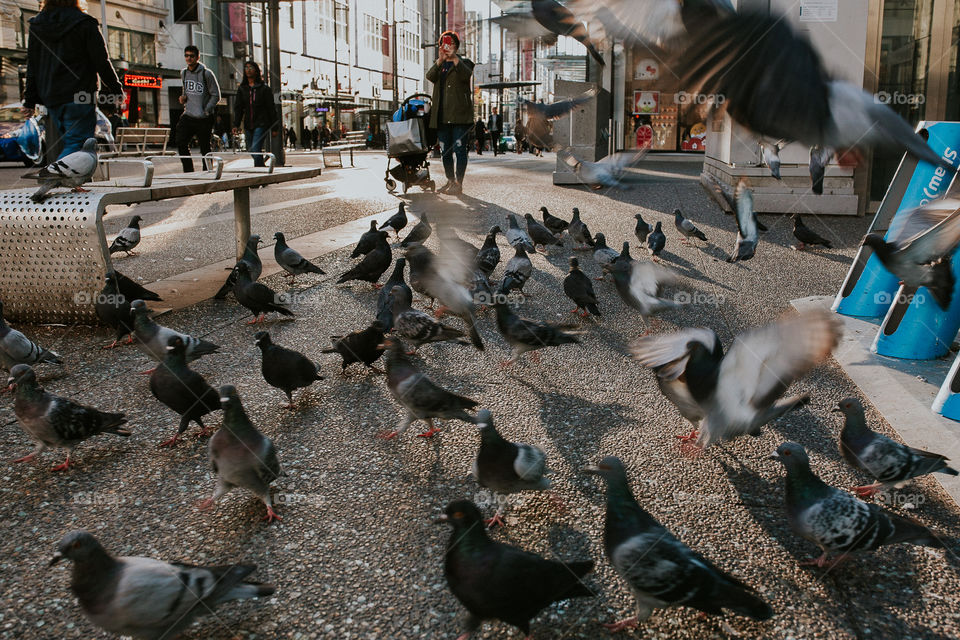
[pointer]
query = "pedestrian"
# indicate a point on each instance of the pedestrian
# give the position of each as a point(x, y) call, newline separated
point(480, 133)
point(292, 138)
point(519, 133)
point(495, 126)
point(315, 136)
point(200, 96)
point(65, 54)
point(324, 135)
point(254, 111)
point(452, 112)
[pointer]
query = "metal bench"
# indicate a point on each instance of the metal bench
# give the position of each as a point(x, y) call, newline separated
point(53, 254)
point(136, 141)
point(353, 140)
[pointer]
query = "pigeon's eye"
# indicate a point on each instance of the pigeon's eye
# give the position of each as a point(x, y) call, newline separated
point(75, 545)
point(785, 453)
point(458, 515)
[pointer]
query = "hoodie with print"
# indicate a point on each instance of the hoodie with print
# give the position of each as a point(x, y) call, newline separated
point(202, 91)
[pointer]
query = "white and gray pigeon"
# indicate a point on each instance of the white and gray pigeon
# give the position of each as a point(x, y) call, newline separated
point(579, 232)
point(819, 159)
point(16, 348)
point(128, 238)
point(290, 260)
point(72, 170)
point(53, 421)
point(241, 456)
point(611, 171)
point(739, 392)
point(517, 272)
point(602, 254)
point(686, 228)
point(149, 599)
point(640, 285)
point(153, 338)
point(748, 234)
point(517, 237)
point(837, 521)
point(771, 156)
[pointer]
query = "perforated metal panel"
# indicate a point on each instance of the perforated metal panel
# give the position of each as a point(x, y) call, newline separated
point(52, 257)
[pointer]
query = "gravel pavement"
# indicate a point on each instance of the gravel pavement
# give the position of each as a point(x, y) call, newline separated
point(357, 554)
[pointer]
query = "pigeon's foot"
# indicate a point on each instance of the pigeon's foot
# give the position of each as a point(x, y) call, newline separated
point(821, 561)
point(620, 625)
point(205, 432)
point(111, 345)
point(584, 314)
point(271, 516)
point(495, 521)
point(465, 635)
point(412, 352)
point(80, 190)
point(172, 442)
point(691, 437)
point(129, 339)
point(26, 458)
point(388, 435)
point(429, 433)
point(258, 319)
point(685, 242)
point(62, 467)
point(506, 363)
point(206, 505)
point(867, 491)
point(148, 372)
point(440, 312)
point(600, 279)
point(577, 310)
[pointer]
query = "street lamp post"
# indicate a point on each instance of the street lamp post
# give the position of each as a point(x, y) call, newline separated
point(336, 67)
point(393, 35)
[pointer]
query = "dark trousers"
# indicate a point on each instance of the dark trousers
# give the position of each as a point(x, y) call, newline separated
point(187, 128)
point(453, 142)
point(495, 141)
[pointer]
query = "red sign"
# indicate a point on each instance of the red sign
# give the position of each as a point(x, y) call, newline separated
point(142, 81)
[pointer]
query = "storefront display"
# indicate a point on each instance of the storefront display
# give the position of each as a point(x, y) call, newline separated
point(657, 116)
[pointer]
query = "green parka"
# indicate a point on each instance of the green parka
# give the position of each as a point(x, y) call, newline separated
point(457, 103)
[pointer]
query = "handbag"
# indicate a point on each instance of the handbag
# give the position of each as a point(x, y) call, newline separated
point(406, 137)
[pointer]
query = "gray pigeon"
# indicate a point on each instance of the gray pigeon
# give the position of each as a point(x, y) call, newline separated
point(540, 234)
point(153, 338)
point(52, 421)
point(579, 232)
point(241, 456)
point(489, 255)
point(525, 335)
point(517, 272)
point(128, 238)
point(890, 463)
point(819, 159)
point(540, 116)
point(748, 234)
point(251, 258)
point(16, 348)
point(656, 241)
point(420, 232)
point(836, 521)
point(686, 228)
point(291, 261)
point(415, 325)
point(602, 254)
point(771, 156)
point(611, 171)
point(72, 170)
point(384, 301)
point(145, 598)
point(517, 237)
point(640, 285)
point(397, 221)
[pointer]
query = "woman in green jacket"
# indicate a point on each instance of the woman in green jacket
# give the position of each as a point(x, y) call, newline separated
point(452, 111)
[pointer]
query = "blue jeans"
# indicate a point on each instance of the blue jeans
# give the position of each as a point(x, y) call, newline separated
point(76, 122)
point(254, 139)
point(453, 135)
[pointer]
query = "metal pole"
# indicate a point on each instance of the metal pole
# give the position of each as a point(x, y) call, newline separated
point(103, 24)
point(275, 81)
point(263, 38)
point(336, 72)
point(241, 218)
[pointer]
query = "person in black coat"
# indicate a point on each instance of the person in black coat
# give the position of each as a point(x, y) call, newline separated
point(495, 127)
point(480, 133)
point(255, 112)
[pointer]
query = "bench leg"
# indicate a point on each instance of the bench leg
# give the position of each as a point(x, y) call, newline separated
point(351, 156)
point(241, 218)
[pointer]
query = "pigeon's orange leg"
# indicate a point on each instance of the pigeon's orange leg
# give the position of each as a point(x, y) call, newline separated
point(620, 625)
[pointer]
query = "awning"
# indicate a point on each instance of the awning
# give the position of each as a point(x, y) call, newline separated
point(520, 84)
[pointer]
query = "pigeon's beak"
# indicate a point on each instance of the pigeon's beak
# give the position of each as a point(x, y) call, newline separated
point(442, 519)
point(773, 456)
point(224, 399)
point(169, 348)
point(593, 470)
point(836, 409)
point(57, 557)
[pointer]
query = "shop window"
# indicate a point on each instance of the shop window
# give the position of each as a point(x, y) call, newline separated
point(953, 79)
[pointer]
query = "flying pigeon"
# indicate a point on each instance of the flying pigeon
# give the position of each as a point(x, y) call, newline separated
point(539, 128)
point(517, 272)
point(183, 390)
point(806, 236)
point(507, 467)
point(610, 171)
point(420, 232)
point(659, 569)
point(540, 234)
point(740, 392)
point(364, 346)
point(579, 232)
point(113, 309)
point(771, 156)
point(415, 325)
point(153, 338)
point(686, 228)
point(835, 520)
point(640, 285)
point(384, 301)
point(602, 254)
point(819, 159)
point(747, 233)
point(53, 421)
point(527, 335)
point(495, 581)
point(656, 241)
point(367, 241)
point(128, 238)
point(373, 264)
point(133, 290)
point(579, 288)
point(292, 262)
point(72, 170)
point(642, 230)
point(283, 368)
point(920, 244)
point(552, 222)
point(251, 258)
point(482, 292)
point(523, 25)
point(16, 348)
point(397, 221)
point(517, 237)
point(888, 462)
point(557, 19)
point(241, 456)
point(257, 298)
point(489, 255)
point(147, 598)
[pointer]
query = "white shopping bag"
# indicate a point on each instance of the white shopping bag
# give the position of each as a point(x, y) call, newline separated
point(406, 136)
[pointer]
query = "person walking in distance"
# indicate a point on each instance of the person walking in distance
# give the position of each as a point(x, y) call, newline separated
point(495, 127)
point(254, 113)
point(519, 133)
point(65, 54)
point(452, 112)
point(480, 133)
point(200, 96)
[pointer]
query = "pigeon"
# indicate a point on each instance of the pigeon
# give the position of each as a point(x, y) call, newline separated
point(367, 241)
point(113, 309)
point(806, 236)
point(740, 392)
point(421, 397)
point(624, 254)
point(555, 224)
point(53, 421)
point(517, 272)
point(145, 598)
point(836, 521)
point(384, 301)
point(642, 230)
point(888, 462)
point(527, 335)
point(507, 467)
point(656, 241)
point(415, 325)
point(686, 228)
point(364, 346)
point(128, 238)
point(489, 255)
point(771, 156)
point(241, 456)
point(251, 259)
point(132, 290)
point(819, 159)
point(579, 288)
point(557, 19)
point(284, 368)
point(659, 569)
point(611, 171)
point(579, 232)
point(640, 285)
point(495, 581)
point(153, 338)
point(257, 298)
point(920, 244)
point(540, 234)
point(539, 127)
point(292, 262)
point(373, 264)
point(183, 390)
point(420, 232)
point(747, 232)
point(602, 254)
point(16, 348)
point(72, 170)
point(517, 237)
point(482, 292)
point(397, 221)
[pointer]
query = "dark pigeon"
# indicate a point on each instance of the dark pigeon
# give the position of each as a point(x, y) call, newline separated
point(420, 232)
point(397, 221)
point(517, 272)
point(540, 234)
point(373, 264)
point(624, 254)
point(579, 232)
point(364, 346)
point(640, 285)
point(133, 290)
point(416, 326)
point(128, 238)
point(384, 302)
point(489, 255)
point(527, 335)
point(552, 222)
point(290, 260)
point(517, 237)
point(257, 298)
point(557, 19)
point(806, 235)
point(642, 230)
point(153, 338)
point(183, 390)
point(819, 159)
point(113, 309)
point(16, 348)
point(251, 258)
point(579, 288)
point(367, 241)
point(538, 128)
point(656, 241)
point(283, 368)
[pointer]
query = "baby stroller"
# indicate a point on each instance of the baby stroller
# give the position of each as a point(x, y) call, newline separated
point(409, 142)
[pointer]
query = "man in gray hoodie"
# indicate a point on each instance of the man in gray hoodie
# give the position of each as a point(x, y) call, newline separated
point(199, 98)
